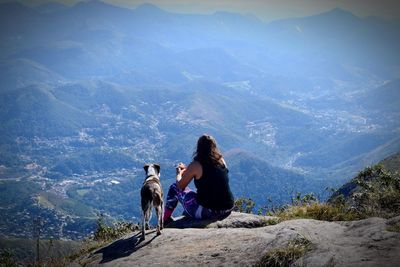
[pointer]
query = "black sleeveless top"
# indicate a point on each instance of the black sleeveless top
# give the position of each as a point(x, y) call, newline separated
point(213, 191)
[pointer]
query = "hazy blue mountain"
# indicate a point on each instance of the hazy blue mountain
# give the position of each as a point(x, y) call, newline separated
point(22, 72)
point(340, 37)
point(250, 172)
point(50, 7)
point(149, 36)
point(34, 111)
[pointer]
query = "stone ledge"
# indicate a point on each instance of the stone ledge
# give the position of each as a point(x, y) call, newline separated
point(234, 220)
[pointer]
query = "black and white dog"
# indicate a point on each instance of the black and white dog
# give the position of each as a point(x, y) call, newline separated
point(152, 196)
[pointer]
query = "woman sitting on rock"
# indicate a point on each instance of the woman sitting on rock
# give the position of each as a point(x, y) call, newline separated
point(210, 173)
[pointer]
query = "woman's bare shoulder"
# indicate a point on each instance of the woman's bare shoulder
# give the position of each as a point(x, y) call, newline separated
point(195, 163)
point(197, 168)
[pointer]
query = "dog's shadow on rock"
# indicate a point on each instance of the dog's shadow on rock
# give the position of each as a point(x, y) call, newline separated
point(123, 248)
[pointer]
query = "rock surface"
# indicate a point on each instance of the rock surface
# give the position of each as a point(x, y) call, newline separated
point(234, 220)
point(224, 243)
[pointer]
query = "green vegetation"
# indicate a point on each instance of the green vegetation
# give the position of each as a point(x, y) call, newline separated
point(106, 232)
point(243, 204)
point(271, 221)
point(256, 178)
point(92, 159)
point(7, 259)
point(12, 190)
point(375, 191)
point(285, 256)
point(377, 194)
point(103, 234)
point(394, 228)
point(58, 252)
point(82, 192)
point(110, 199)
point(23, 251)
point(68, 206)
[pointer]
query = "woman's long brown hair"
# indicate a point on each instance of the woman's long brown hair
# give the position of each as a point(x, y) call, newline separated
point(208, 152)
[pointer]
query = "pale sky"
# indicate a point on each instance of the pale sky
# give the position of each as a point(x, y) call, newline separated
point(266, 10)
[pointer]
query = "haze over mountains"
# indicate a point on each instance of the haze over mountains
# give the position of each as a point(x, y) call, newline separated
point(89, 93)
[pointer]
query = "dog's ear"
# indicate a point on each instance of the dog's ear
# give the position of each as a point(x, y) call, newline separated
point(157, 167)
point(146, 167)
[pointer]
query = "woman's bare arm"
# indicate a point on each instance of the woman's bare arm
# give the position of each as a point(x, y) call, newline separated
point(185, 176)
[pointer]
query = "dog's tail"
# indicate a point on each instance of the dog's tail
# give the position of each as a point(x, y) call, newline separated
point(157, 198)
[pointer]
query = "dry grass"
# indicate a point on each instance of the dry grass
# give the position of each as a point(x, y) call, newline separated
point(285, 256)
point(317, 211)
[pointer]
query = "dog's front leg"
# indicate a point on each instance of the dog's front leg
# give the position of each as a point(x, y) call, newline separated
point(162, 216)
point(159, 219)
point(143, 225)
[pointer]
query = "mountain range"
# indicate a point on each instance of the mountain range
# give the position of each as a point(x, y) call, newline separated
point(91, 92)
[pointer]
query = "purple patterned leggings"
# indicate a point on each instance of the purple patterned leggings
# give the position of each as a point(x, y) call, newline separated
point(187, 198)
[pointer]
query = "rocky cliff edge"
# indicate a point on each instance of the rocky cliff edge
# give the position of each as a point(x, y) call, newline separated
point(245, 239)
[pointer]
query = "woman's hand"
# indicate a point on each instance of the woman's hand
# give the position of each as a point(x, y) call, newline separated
point(180, 168)
point(185, 175)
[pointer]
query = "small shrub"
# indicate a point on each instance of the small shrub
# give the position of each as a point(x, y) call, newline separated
point(394, 228)
point(268, 209)
point(105, 232)
point(245, 205)
point(285, 256)
point(7, 259)
point(338, 201)
point(273, 221)
point(379, 193)
point(309, 198)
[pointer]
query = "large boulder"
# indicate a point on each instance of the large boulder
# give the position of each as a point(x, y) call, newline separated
point(357, 243)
